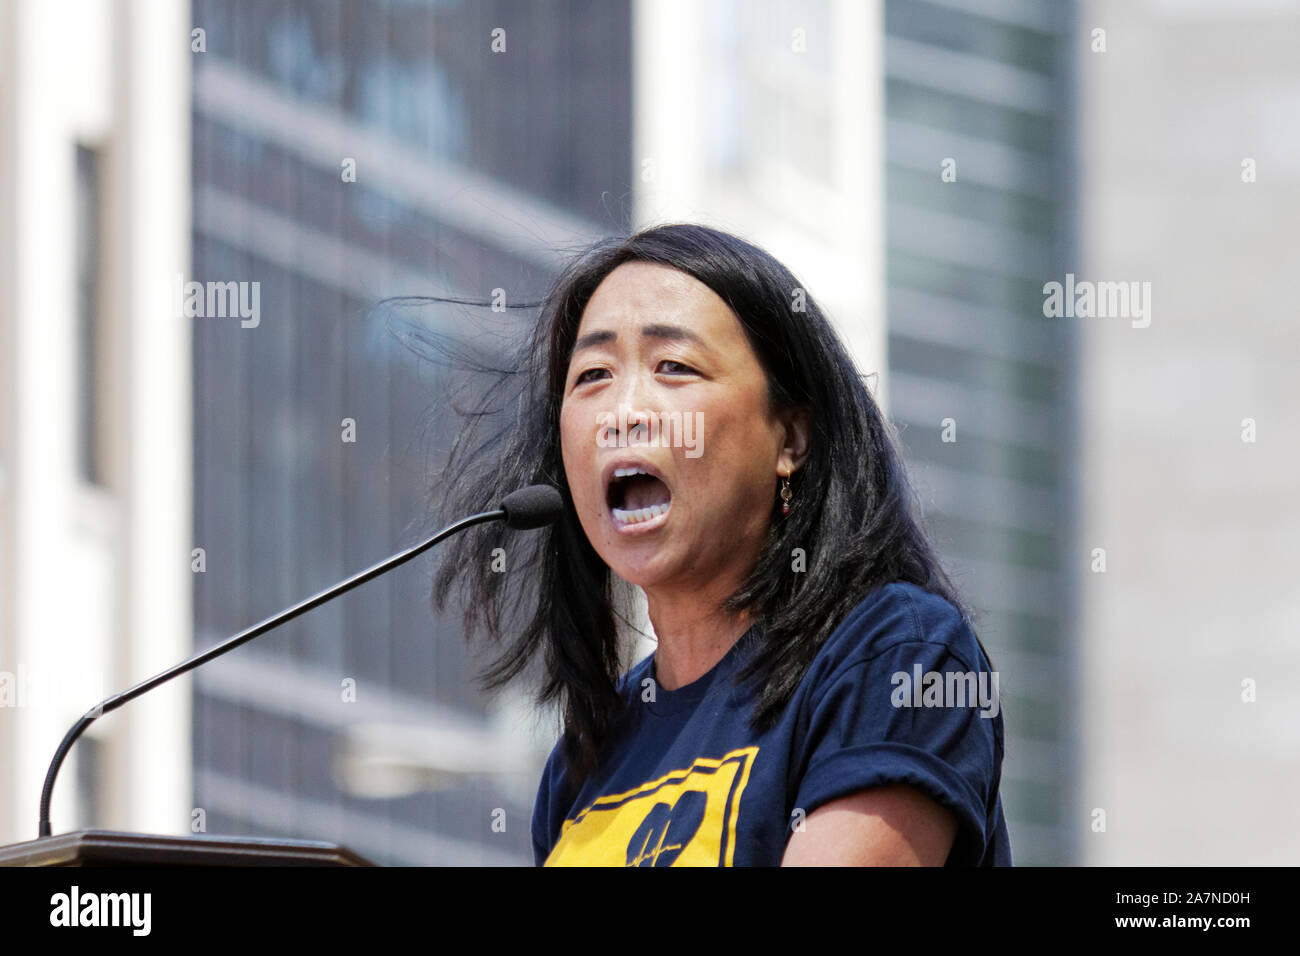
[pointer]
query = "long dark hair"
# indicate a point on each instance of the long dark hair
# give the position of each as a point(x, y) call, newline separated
point(856, 516)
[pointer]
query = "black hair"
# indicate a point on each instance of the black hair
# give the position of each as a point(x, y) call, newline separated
point(855, 517)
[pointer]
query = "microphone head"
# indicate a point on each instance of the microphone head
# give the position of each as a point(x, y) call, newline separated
point(532, 507)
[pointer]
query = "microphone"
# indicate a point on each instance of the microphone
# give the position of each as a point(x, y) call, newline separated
point(532, 507)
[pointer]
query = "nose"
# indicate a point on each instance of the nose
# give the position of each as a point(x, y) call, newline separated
point(634, 412)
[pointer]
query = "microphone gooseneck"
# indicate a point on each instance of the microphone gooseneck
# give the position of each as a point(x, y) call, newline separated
point(531, 507)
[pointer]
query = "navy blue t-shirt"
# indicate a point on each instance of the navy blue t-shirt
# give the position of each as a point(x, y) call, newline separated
point(899, 693)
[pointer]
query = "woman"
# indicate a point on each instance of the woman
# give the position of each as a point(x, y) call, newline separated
point(715, 445)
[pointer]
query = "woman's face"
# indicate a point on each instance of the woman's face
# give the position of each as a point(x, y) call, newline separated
point(658, 349)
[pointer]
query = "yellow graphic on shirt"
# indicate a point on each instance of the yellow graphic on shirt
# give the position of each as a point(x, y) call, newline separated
point(684, 818)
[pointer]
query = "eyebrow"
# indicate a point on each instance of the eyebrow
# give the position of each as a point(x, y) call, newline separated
point(675, 333)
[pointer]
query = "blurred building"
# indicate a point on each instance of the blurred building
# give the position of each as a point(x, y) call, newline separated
point(94, 409)
point(346, 151)
point(1189, 453)
point(979, 120)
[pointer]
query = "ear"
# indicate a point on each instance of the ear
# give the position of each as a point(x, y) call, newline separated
point(797, 425)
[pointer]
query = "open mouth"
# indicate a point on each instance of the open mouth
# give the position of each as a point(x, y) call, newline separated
point(636, 497)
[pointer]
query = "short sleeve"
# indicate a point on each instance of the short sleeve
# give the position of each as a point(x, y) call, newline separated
point(912, 714)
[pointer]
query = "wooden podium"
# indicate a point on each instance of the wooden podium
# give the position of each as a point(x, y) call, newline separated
point(112, 848)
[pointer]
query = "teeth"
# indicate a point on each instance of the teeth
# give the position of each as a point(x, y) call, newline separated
point(640, 514)
point(625, 472)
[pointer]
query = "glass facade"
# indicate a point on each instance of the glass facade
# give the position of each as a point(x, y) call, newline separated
point(316, 431)
point(977, 219)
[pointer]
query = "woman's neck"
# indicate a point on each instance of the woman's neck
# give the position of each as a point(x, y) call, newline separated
point(693, 636)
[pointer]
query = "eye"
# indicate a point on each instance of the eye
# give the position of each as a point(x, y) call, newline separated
point(582, 376)
point(683, 368)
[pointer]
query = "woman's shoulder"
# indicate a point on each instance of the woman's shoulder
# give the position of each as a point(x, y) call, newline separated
point(896, 614)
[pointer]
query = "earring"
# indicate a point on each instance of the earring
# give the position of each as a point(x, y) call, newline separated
point(786, 495)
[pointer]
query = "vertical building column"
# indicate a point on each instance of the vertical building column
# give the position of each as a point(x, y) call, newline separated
point(43, 644)
point(152, 93)
point(9, 51)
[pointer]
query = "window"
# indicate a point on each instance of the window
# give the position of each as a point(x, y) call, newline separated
point(90, 463)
